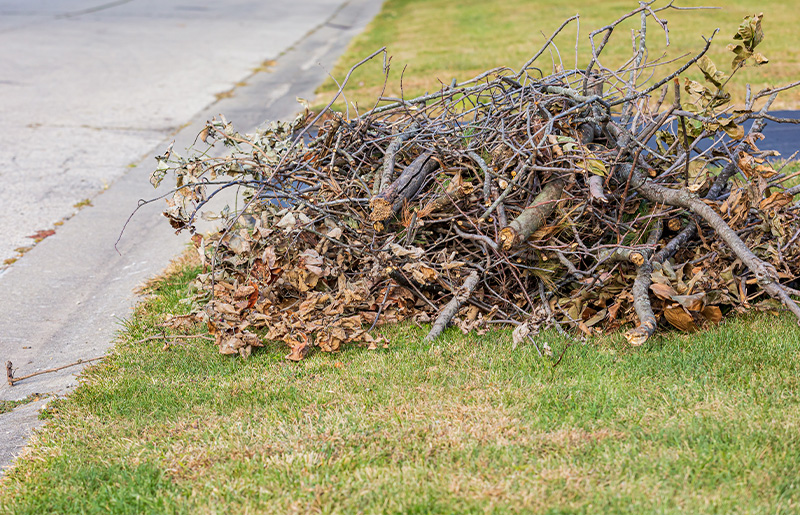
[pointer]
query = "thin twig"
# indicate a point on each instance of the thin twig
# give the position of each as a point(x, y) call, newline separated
point(13, 380)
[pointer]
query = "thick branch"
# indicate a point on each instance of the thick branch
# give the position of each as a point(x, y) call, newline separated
point(390, 200)
point(452, 307)
point(387, 170)
point(680, 239)
point(764, 273)
point(641, 294)
point(532, 217)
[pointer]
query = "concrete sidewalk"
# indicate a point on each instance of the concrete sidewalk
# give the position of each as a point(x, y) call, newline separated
point(64, 300)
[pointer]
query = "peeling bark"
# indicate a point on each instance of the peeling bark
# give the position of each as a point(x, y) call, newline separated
point(390, 200)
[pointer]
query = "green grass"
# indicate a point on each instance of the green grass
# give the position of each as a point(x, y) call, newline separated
point(789, 169)
point(702, 424)
point(6, 406)
point(433, 41)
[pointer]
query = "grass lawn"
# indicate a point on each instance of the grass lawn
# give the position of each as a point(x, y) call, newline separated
point(434, 41)
point(701, 424)
point(706, 423)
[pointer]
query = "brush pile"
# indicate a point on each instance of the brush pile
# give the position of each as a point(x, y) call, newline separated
point(582, 200)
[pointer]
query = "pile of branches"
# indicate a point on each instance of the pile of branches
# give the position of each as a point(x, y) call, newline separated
point(583, 199)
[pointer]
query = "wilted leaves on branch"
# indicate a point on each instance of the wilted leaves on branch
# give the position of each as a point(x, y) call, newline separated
point(750, 34)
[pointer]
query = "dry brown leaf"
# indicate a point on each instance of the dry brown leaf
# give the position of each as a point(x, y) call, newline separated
point(680, 318)
point(663, 291)
point(243, 291)
point(300, 348)
point(694, 302)
point(775, 201)
point(713, 314)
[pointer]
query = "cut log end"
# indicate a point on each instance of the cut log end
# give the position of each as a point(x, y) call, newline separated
point(641, 334)
point(381, 209)
point(532, 217)
point(508, 238)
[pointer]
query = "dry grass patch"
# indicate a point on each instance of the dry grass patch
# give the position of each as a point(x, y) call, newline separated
point(433, 41)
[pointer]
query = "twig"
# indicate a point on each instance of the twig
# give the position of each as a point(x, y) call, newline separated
point(174, 336)
point(13, 380)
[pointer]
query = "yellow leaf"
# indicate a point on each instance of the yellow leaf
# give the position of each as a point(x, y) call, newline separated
point(591, 164)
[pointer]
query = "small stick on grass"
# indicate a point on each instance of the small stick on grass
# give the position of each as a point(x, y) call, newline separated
point(174, 336)
point(12, 380)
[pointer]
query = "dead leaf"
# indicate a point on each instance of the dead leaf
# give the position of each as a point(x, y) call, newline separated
point(680, 318)
point(713, 314)
point(40, 235)
point(519, 334)
point(775, 201)
point(300, 348)
point(694, 302)
point(663, 291)
point(287, 222)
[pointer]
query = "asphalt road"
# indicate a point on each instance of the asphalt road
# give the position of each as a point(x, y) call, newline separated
point(781, 137)
point(90, 92)
point(88, 87)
